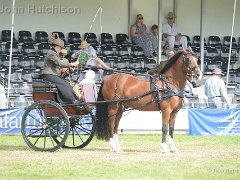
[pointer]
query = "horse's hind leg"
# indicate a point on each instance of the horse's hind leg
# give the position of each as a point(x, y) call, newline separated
point(115, 115)
point(171, 131)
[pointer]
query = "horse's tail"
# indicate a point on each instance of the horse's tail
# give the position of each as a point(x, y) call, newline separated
point(102, 123)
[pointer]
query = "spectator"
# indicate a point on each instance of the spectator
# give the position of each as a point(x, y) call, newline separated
point(51, 71)
point(88, 53)
point(154, 30)
point(215, 90)
point(142, 38)
point(172, 33)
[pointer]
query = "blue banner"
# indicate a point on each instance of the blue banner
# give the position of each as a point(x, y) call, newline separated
point(219, 122)
point(10, 120)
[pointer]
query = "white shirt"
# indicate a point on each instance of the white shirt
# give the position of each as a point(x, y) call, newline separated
point(214, 87)
point(172, 31)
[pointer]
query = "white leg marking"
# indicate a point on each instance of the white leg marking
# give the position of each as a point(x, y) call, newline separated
point(115, 137)
point(165, 148)
point(113, 145)
point(173, 149)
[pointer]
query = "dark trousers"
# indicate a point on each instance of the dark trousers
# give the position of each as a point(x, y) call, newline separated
point(64, 88)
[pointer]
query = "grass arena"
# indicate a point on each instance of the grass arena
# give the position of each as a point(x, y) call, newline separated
point(205, 157)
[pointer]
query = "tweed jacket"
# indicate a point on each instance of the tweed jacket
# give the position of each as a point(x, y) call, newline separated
point(52, 63)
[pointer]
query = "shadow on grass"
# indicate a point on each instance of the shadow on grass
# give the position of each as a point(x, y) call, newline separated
point(13, 148)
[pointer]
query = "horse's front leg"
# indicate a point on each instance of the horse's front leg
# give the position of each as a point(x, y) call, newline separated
point(171, 131)
point(165, 120)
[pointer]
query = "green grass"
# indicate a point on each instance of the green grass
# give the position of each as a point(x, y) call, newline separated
point(198, 158)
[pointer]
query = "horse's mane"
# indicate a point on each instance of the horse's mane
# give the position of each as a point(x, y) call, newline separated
point(170, 62)
point(160, 70)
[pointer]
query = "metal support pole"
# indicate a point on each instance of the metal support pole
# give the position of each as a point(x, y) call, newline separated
point(159, 31)
point(202, 35)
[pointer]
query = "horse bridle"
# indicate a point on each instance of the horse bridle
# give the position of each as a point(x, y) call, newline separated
point(186, 63)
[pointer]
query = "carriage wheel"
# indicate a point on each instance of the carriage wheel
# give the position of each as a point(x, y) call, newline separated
point(81, 131)
point(43, 123)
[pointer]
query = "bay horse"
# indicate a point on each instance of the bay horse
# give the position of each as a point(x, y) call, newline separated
point(164, 92)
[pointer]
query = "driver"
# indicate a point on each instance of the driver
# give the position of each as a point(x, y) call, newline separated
point(51, 72)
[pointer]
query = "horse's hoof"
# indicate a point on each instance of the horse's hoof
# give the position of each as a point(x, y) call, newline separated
point(165, 148)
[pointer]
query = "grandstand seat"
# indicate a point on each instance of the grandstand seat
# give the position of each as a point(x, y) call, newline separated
point(15, 49)
point(26, 75)
point(107, 50)
point(43, 49)
point(226, 42)
point(237, 79)
point(211, 52)
point(107, 61)
point(122, 39)
point(41, 37)
point(39, 62)
point(214, 41)
point(14, 76)
point(106, 38)
point(225, 52)
point(28, 49)
point(74, 38)
point(137, 51)
point(25, 37)
point(91, 38)
point(211, 64)
point(149, 63)
point(4, 59)
point(6, 36)
point(120, 64)
point(24, 62)
point(197, 41)
point(123, 51)
point(224, 64)
point(135, 64)
point(196, 51)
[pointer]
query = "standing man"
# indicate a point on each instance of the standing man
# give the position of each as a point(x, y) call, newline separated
point(215, 90)
point(172, 33)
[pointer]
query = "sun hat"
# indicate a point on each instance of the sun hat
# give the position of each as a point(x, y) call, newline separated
point(170, 15)
point(217, 71)
point(84, 44)
point(58, 42)
point(63, 52)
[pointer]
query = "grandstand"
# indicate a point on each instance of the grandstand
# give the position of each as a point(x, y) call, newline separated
point(30, 43)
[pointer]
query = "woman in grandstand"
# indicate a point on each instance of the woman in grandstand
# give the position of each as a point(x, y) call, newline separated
point(141, 37)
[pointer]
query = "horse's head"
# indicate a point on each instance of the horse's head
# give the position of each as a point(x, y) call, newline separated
point(190, 63)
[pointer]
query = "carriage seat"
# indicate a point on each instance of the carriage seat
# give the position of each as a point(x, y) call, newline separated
point(40, 85)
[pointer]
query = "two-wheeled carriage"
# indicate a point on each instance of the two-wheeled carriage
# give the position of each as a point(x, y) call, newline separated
point(49, 124)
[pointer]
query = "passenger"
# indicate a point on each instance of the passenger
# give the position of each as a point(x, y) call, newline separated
point(51, 71)
point(88, 52)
